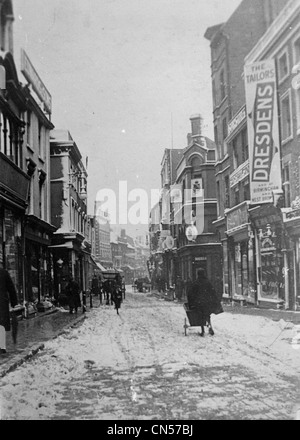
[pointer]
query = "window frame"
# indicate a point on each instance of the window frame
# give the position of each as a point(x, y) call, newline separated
point(283, 97)
point(283, 52)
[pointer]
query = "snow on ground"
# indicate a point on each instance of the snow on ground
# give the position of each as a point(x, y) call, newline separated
point(148, 334)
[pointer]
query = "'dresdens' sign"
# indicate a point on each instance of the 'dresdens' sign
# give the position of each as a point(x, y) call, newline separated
point(263, 131)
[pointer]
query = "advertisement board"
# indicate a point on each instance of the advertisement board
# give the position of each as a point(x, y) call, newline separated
point(263, 130)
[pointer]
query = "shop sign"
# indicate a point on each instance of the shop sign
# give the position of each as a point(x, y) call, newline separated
point(200, 258)
point(37, 84)
point(237, 218)
point(236, 120)
point(239, 174)
point(263, 130)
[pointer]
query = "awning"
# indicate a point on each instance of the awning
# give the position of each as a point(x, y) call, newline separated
point(128, 267)
point(102, 268)
point(67, 245)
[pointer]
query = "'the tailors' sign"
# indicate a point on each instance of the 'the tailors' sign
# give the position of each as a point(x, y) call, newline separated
point(263, 132)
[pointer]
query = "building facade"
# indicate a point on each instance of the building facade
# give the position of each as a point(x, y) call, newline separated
point(103, 253)
point(276, 224)
point(71, 244)
point(229, 47)
point(198, 244)
point(25, 224)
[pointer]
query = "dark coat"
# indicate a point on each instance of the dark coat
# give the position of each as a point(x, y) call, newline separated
point(203, 297)
point(73, 294)
point(8, 295)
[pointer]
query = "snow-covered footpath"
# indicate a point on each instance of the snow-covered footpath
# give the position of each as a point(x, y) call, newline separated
point(140, 365)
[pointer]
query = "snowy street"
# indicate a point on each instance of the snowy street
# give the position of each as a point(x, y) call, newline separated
point(141, 366)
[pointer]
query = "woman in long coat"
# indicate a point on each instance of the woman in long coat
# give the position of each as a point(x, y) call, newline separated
point(203, 298)
point(73, 293)
point(8, 295)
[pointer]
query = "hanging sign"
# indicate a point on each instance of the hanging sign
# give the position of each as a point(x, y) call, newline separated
point(263, 130)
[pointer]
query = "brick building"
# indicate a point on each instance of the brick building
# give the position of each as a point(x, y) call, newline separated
point(277, 228)
point(230, 42)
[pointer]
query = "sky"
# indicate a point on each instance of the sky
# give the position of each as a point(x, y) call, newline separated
point(125, 76)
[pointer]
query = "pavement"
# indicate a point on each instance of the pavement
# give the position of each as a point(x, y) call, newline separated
point(34, 332)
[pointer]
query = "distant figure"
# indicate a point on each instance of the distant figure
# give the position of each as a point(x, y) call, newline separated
point(8, 295)
point(178, 288)
point(123, 287)
point(96, 287)
point(203, 298)
point(116, 297)
point(73, 294)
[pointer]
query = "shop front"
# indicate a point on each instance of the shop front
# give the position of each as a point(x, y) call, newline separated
point(292, 225)
point(241, 255)
point(272, 263)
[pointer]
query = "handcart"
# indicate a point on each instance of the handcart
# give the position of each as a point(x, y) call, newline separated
point(194, 318)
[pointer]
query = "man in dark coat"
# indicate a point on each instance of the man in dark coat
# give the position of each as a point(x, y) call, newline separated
point(73, 294)
point(8, 295)
point(203, 298)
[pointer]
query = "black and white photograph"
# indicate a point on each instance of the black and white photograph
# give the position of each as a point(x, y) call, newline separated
point(149, 213)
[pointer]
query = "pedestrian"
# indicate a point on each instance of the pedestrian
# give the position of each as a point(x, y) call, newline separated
point(123, 286)
point(8, 295)
point(116, 297)
point(95, 285)
point(73, 294)
point(178, 288)
point(203, 298)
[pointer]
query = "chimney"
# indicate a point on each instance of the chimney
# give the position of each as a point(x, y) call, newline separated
point(189, 138)
point(196, 123)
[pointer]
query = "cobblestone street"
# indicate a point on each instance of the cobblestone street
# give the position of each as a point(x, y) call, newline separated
point(140, 365)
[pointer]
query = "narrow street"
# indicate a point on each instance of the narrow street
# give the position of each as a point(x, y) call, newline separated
point(141, 366)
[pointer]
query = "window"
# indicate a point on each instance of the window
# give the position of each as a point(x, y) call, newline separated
point(236, 196)
point(283, 66)
point(218, 197)
point(286, 119)
point(227, 195)
point(222, 85)
point(235, 154)
point(286, 185)
point(214, 94)
point(28, 128)
point(297, 50)
point(225, 132)
point(224, 128)
point(246, 190)
point(245, 148)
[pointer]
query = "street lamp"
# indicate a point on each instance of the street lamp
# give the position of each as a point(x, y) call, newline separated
point(82, 182)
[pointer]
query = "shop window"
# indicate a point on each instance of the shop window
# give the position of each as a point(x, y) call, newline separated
point(283, 66)
point(286, 118)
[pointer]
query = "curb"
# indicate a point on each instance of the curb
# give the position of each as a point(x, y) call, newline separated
point(21, 359)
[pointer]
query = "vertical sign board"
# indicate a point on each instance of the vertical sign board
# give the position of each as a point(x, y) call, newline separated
point(263, 130)
point(33, 78)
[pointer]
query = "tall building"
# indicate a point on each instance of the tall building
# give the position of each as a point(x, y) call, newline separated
point(103, 253)
point(71, 244)
point(272, 72)
point(197, 243)
point(25, 223)
point(230, 42)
